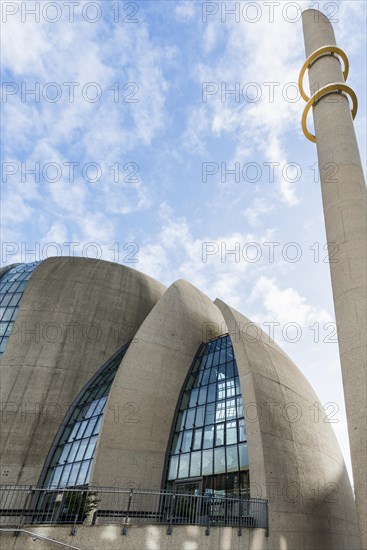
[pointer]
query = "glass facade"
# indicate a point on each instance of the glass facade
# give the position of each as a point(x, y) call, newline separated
point(12, 285)
point(71, 463)
point(209, 441)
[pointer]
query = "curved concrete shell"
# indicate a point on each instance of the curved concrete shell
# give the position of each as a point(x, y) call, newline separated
point(142, 401)
point(74, 314)
point(295, 460)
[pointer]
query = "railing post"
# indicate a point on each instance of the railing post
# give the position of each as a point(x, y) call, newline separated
point(25, 506)
point(124, 529)
point(207, 530)
point(173, 506)
point(267, 518)
point(240, 510)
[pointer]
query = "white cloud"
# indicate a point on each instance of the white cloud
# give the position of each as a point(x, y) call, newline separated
point(256, 209)
point(286, 306)
point(185, 10)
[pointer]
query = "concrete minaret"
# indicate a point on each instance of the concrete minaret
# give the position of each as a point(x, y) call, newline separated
point(344, 202)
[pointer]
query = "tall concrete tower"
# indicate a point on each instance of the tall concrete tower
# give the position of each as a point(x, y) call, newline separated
point(344, 202)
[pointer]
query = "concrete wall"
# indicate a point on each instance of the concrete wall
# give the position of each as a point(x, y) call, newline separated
point(149, 537)
point(75, 313)
point(295, 460)
point(132, 446)
point(345, 212)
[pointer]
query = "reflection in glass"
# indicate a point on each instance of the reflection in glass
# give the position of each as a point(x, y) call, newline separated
point(12, 286)
point(209, 440)
point(73, 456)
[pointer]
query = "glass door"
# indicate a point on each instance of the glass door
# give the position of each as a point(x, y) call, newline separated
point(188, 502)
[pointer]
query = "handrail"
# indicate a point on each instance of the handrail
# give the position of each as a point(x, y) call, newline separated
point(26, 506)
point(39, 537)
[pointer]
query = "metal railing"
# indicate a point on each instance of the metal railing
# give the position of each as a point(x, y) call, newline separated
point(28, 505)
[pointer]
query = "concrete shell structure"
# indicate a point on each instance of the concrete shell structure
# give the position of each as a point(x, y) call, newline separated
point(74, 314)
point(294, 459)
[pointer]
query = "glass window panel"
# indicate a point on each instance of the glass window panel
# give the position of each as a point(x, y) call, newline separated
point(232, 458)
point(212, 392)
point(216, 358)
point(65, 475)
point(185, 400)
point(14, 301)
point(209, 361)
point(190, 418)
point(6, 287)
point(230, 369)
point(190, 383)
point(88, 409)
point(97, 426)
point(193, 397)
point(5, 299)
point(90, 449)
point(220, 411)
point(195, 464)
point(7, 315)
point(14, 314)
point(230, 408)
point(238, 389)
point(205, 378)
point(90, 427)
point(14, 287)
point(223, 356)
point(56, 456)
point(239, 406)
point(101, 404)
point(56, 476)
point(82, 427)
point(73, 451)
point(209, 416)
point(241, 430)
point(172, 472)
point(213, 376)
point(208, 437)
point(186, 441)
point(230, 354)
point(207, 465)
point(74, 474)
point(231, 433)
point(181, 420)
point(183, 470)
point(243, 454)
point(74, 431)
point(197, 438)
point(231, 388)
point(176, 443)
point(81, 451)
point(199, 421)
point(221, 390)
point(202, 395)
point(83, 476)
point(219, 434)
point(219, 460)
point(3, 329)
point(22, 286)
point(65, 453)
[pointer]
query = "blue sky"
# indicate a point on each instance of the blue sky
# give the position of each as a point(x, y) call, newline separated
point(168, 125)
